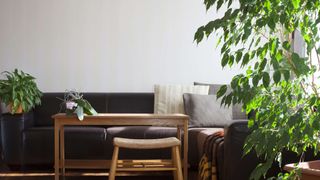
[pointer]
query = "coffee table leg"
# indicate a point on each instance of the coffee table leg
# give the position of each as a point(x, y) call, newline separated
point(56, 151)
point(62, 154)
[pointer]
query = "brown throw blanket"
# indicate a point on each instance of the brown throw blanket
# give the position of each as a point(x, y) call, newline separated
point(207, 165)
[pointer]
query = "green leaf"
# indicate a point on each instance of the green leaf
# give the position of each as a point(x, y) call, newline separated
point(246, 59)
point(199, 34)
point(222, 90)
point(267, 5)
point(209, 3)
point(219, 4)
point(231, 61)
point(224, 60)
point(79, 112)
point(286, 74)
point(300, 64)
point(261, 169)
point(286, 45)
point(275, 64)
point(312, 100)
point(265, 79)
point(283, 18)
point(228, 100)
point(258, 41)
point(229, 3)
point(295, 3)
point(276, 76)
point(238, 56)
point(271, 24)
point(255, 80)
point(263, 64)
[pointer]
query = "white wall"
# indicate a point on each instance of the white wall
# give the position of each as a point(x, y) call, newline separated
point(108, 45)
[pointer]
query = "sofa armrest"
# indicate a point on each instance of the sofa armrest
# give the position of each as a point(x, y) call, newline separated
point(12, 127)
point(237, 166)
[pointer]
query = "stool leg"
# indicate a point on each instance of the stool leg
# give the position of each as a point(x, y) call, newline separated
point(114, 162)
point(173, 158)
point(177, 161)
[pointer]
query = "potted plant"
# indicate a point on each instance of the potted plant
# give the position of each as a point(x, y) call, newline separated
point(74, 103)
point(19, 91)
point(280, 85)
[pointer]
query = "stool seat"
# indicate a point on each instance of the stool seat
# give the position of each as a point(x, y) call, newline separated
point(146, 143)
point(174, 165)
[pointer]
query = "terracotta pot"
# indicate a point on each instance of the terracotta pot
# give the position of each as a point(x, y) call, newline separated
point(18, 111)
point(309, 170)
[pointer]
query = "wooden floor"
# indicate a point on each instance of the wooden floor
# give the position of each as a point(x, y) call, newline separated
point(41, 175)
point(47, 174)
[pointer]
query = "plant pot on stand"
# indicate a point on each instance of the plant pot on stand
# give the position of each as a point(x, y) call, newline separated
point(309, 170)
point(12, 127)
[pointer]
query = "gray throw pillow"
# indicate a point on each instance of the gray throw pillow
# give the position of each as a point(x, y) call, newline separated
point(236, 109)
point(205, 111)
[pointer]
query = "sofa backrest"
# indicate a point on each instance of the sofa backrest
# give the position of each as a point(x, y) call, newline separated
point(130, 102)
point(102, 102)
point(50, 104)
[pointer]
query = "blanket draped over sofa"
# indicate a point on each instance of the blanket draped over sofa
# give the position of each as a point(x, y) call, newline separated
point(208, 169)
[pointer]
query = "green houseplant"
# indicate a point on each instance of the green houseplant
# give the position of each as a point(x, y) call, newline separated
point(75, 103)
point(19, 91)
point(279, 85)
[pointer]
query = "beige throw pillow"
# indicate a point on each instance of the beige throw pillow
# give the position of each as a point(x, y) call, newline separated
point(168, 99)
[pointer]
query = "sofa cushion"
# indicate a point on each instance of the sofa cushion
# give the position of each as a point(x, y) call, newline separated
point(38, 145)
point(141, 132)
point(85, 142)
point(81, 143)
point(206, 111)
point(236, 109)
point(168, 98)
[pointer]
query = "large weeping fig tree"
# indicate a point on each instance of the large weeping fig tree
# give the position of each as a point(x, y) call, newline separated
point(279, 85)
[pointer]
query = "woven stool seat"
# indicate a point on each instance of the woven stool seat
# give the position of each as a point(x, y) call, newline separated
point(146, 143)
point(173, 165)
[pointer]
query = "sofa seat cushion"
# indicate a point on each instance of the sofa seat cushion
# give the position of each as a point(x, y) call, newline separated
point(85, 142)
point(38, 145)
point(80, 143)
point(141, 132)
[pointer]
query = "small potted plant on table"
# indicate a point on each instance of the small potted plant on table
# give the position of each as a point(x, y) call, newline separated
point(75, 104)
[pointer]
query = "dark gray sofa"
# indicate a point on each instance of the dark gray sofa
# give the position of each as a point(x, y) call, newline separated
point(29, 140)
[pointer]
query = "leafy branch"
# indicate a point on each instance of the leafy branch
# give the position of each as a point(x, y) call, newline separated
point(279, 85)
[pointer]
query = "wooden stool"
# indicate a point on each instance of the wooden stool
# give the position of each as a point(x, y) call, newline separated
point(171, 142)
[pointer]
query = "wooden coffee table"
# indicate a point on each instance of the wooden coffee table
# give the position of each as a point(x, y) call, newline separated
point(60, 120)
